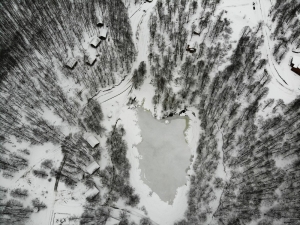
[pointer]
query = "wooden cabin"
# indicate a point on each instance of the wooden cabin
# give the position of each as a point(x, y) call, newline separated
point(92, 167)
point(100, 22)
point(95, 42)
point(197, 31)
point(191, 49)
point(295, 65)
point(91, 193)
point(103, 33)
point(71, 63)
point(90, 60)
point(93, 142)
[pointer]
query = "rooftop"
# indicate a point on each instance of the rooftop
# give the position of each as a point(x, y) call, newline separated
point(92, 167)
point(95, 42)
point(71, 62)
point(92, 141)
point(296, 62)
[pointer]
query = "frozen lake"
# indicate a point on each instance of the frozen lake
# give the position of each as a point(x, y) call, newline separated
point(165, 155)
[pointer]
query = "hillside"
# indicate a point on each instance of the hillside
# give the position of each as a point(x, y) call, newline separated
point(77, 148)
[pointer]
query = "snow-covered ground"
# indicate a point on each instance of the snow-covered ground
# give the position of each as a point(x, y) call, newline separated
point(285, 84)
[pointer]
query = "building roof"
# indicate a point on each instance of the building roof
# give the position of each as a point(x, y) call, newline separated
point(296, 50)
point(92, 167)
point(90, 59)
point(92, 141)
point(71, 62)
point(92, 192)
point(61, 218)
point(296, 70)
point(192, 43)
point(100, 22)
point(103, 33)
point(95, 42)
point(296, 62)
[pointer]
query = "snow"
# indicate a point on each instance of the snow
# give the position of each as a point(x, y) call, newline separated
point(159, 211)
point(284, 84)
point(113, 102)
point(163, 153)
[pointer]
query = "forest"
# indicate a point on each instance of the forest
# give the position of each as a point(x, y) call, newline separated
point(256, 132)
point(251, 138)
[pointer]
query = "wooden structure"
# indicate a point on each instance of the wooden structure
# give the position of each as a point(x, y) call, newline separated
point(95, 42)
point(90, 60)
point(71, 63)
point(92, 192)
point(92, 167)
point(191, 49)
point(295, 64)
point(197, 31)
point(103, 33)
point(100, 22)
point(92, 141)
point(192, 44)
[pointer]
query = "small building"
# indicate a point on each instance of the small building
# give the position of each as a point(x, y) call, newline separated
point(149, 0)
point(95, 42)
point(92, 192)
point(192, 45)
point(191, 49)
point(92, 141)
point(103, 33)
point(90, 60)
point(100, 22)
point(71, 63)
point(197, 31)
point(295, 64)
point(92, 167)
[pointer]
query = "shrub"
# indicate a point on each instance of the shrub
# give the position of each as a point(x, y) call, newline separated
point(19, 193)
point(40, 174)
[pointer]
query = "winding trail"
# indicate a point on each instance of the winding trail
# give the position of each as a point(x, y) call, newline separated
point(274, 67)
